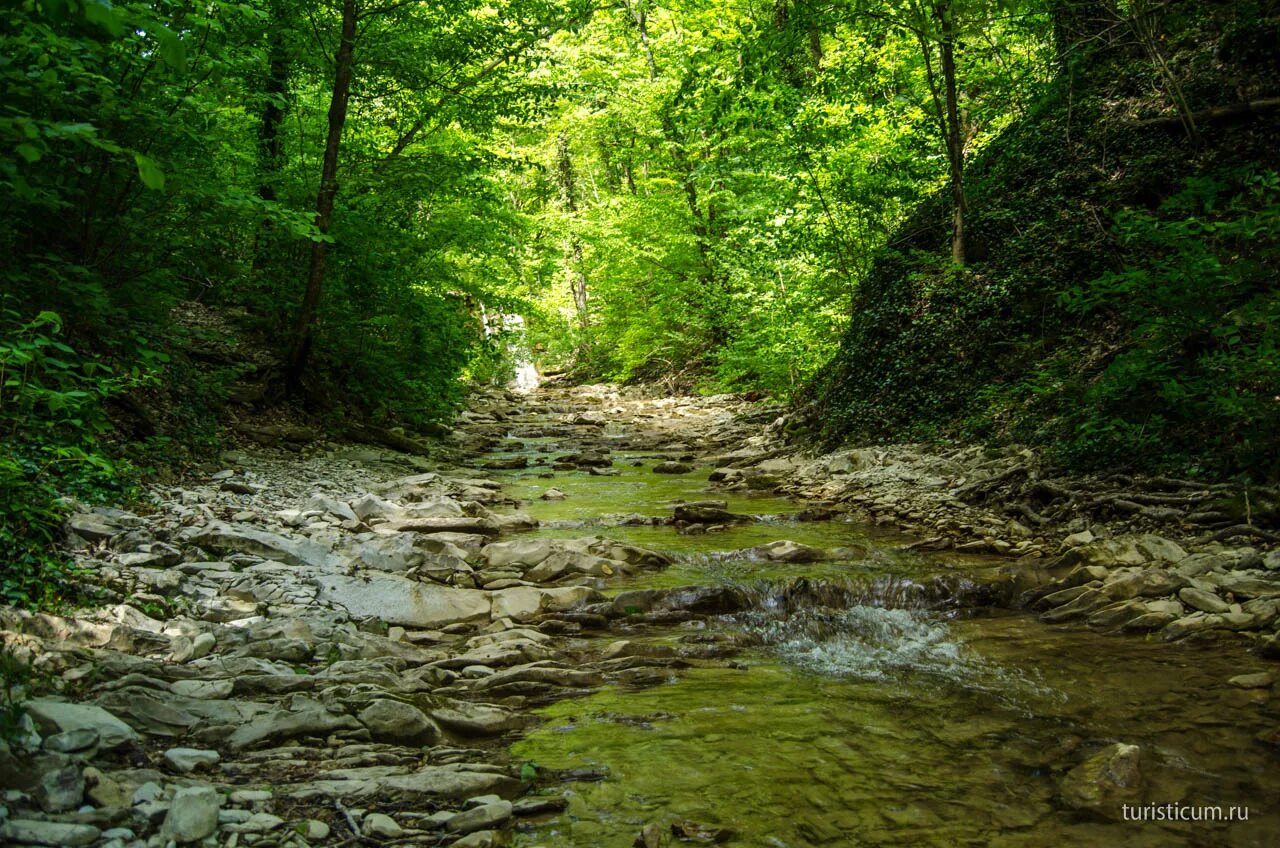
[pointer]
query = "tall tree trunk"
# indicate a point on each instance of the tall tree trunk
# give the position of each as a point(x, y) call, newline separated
point(641, 20)
point(955, 140)
point(275, 87)
point(568, 198)
point(344, 64)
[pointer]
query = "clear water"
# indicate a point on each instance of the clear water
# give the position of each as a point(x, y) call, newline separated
point(882, 722)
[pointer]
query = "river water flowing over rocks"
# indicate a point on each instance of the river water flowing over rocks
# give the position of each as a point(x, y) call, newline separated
point(601, 619)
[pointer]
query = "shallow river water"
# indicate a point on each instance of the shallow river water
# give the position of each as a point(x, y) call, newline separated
point(888, 720)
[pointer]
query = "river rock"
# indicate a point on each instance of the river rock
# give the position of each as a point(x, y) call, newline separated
point(455, 782)
point(693, 514)
point(1117, 614)
point(483, 817)
point(1105, 781)
point(785, 550)
point(314, 830)
point(93, 528)
point(1075, 540)
point(1246, 584)
point(56, 834)
point(1148, 622)
point(1193, 623)
point(459, 524)
point(467, 719)
point(704, 600)
point(332, 506)
point(672, 467)
point(284, 724)
point(521, 603)
point(225, 538)
point(381, 826)
point(187, 760)
point(207, 690)
point(1202, 600)
point(526, 552)
point(397, 600)
point(506, 463)
point(1257, 680)
point(58, 783)
point(112, 732)
point(567, 563)
point(193, 815)
point(630, 554)
point(396, 721)
point(71, 741)
point(371, 506)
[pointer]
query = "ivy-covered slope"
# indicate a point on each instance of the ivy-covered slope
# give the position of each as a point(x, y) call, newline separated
point(1122, 305)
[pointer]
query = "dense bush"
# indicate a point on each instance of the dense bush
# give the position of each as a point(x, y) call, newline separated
point(52, 422)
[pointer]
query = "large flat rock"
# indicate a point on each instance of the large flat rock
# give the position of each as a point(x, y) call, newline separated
point(62, 717)
point(524, 602)
point(397, 600)
point(455, 781)
point(223, 538)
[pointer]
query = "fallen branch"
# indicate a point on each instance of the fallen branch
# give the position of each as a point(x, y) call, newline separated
point(394, 439)
point(990, 484)
point(1030, 514)
point(1217, 115)
point(1239, 530)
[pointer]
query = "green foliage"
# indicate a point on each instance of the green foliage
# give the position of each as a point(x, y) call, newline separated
point(1180, 362)
point(1121, 308)
point(52, 418)
point(15, 678)
point(734, 171)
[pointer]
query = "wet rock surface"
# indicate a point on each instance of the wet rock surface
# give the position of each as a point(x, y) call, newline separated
point(338, 647)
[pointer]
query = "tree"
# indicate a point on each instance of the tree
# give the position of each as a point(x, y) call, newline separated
point(343, 68)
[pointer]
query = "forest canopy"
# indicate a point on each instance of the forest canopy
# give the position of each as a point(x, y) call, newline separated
point(1053, 221)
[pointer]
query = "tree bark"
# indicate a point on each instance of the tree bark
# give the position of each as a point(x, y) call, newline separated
point(955, 142)
point(274, 89)
point(568, 192)
point(344, 64)
point(270, 141)
point(641, 20)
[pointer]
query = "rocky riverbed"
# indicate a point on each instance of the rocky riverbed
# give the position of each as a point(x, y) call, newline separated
point(338, 645)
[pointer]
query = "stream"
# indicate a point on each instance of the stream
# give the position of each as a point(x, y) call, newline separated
point(880, 697)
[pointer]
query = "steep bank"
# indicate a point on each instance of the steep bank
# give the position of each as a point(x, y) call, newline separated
point(1119, 309)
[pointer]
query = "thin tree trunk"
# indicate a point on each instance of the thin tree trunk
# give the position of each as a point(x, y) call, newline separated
point(641, 20)
point(1145, 23)
point(275, 88)
point(568, 192)
point(344, 64)
point(270, 140)
point(955, 142)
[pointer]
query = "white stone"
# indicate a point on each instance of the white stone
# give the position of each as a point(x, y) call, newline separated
point(397, 600)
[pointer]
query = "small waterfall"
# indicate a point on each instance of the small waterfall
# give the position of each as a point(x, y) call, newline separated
point(867, 642)
point(878, 629)
point(525, 376)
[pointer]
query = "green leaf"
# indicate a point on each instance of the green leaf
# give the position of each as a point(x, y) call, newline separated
point(172, 50)
point(29, 152)
point(149, 171)
point(104, 15)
